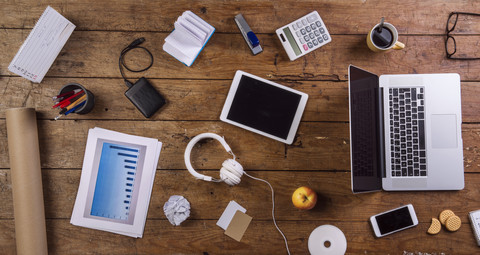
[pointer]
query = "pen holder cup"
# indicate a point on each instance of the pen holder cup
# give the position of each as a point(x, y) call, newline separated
point(90, 101)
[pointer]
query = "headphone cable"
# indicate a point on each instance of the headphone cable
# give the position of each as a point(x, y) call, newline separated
point(273, 209)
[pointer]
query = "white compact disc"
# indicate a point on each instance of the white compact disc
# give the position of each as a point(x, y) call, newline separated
point(328, 240)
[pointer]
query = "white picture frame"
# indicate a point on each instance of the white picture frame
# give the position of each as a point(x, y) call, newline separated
point(149, 152)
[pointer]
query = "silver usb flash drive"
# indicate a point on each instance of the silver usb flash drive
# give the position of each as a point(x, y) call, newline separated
point(248, 34)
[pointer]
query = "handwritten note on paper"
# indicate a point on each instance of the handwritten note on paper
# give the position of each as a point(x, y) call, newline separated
point(42, 46)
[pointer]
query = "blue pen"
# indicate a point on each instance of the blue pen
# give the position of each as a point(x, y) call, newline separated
point(75, 108)
point(71, 110)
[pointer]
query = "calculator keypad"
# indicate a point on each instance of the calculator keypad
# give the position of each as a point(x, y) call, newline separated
point(310, 32)
point(303, 35)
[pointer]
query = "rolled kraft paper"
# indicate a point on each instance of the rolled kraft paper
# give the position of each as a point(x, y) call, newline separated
point(26, 175)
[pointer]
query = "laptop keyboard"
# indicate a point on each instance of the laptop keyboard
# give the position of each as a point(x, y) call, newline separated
point(407, 132)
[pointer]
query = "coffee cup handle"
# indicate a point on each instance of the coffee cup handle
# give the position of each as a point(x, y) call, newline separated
point(398, 46)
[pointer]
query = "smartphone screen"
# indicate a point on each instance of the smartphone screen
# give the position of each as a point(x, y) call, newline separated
point(394, 220)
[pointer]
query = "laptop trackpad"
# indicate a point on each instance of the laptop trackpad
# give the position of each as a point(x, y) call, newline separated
point(444, 131)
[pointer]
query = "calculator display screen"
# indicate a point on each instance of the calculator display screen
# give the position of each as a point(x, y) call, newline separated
point(292, 42)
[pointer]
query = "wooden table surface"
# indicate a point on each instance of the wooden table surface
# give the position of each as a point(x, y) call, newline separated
point(319, 156)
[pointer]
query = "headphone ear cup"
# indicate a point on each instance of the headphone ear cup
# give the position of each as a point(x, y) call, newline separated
point(231, 172)
point(233, 166)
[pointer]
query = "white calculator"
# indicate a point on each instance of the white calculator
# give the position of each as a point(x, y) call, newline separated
point(304, 35)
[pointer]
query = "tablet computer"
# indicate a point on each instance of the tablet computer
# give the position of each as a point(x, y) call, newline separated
point(264, 107)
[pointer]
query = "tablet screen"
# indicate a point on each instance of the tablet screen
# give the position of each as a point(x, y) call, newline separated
point(264, 107)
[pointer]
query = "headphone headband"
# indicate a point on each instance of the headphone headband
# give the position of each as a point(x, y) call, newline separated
point(189, 148)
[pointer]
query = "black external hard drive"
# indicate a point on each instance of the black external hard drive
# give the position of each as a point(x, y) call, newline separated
point(145, 97)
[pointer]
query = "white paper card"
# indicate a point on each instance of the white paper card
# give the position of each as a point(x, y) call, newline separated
point(42, 46)
point(193, 29)
point(116, 182)
point(228, 214)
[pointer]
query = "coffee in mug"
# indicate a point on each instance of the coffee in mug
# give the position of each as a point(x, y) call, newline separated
point(381, 39)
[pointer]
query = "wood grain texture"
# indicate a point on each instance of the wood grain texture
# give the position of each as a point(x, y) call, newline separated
point(226, 53)
point(317, 146)
point(187, 99)
point(63, 144)
point(336, 201)
point(191, 99)
point(319, 156)
point(341, 17)
point(261, 237)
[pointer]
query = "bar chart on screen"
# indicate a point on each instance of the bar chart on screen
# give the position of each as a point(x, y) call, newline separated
point(117, 174)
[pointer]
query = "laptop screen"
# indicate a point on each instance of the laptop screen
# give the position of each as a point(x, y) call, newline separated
point(366, 134)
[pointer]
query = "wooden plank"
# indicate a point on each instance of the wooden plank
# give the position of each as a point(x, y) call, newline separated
point(190, 99)
point(341, 17)
point(187, 99)
point(318, 145)
point(470, 101)
point(63, 144)
point(197, 237)
point(208, 200)
point(226, 53)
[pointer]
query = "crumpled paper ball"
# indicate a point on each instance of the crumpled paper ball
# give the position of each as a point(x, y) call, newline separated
point(177, 209)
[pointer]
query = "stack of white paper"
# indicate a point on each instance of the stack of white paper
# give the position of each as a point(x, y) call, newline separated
point(42, 46)
point(116, 182)
point(189, 37)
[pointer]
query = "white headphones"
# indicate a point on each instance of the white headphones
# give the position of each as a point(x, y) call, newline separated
point(231, 171)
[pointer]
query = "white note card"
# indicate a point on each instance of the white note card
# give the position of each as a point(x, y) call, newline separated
point(42, 46)
point(228, 214)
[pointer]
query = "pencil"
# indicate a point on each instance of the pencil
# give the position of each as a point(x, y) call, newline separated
point(75, 108)
point(70, 106)
point(71, 110)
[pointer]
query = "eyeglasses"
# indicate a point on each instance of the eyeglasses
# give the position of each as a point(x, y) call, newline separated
point(450, 42)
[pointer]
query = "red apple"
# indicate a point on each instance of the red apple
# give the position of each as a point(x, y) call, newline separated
point(304, 198)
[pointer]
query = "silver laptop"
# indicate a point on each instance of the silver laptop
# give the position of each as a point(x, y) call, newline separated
point(405, 131)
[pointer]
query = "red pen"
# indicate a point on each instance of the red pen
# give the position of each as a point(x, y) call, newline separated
point(66, 94)
point(61, 103)
point(72, 100)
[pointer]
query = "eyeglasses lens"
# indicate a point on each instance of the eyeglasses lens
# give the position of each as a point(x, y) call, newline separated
point(450, 45)
point(451, 22)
